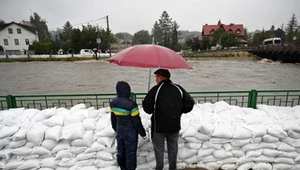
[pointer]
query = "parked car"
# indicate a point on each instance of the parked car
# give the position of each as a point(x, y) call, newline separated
point(87, 52)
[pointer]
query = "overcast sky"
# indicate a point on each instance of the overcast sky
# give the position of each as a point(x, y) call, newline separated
point(134, 15)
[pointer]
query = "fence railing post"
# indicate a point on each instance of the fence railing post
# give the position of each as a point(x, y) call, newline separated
point(133, 97)
point(253, 99)
point(11, 103)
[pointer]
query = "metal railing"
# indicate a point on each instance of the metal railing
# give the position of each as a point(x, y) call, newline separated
point(239, 98)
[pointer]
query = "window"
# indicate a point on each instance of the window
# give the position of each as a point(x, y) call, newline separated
point(16, 41)
point(5, 41)
point(19, 31)
point(10, 30)
point(27, 41)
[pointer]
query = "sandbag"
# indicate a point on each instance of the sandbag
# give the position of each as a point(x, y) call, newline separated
point(22, 151)
point(258, 130)
point(72, 132)
point(4, 142)
point(30, 164)
point(77, 150)
point(205, 152)
point(86, 140)
point(37, 133)
point(105, 156)
point(291, 125)
point(53, 133)
point(223, 131)
point(241, 133)
point(8, 131)
point(77, 107)
point(49, 162)
point(60, 146)
point(39, 150)
point(64, 154)
point(280, 166)
point(13, 164)
point(20, 135)
point(57, 120)
point(89, 124)
point(16, 144)
point(262, 166)
point(221, 154)
point(49, 144)
point(85, 156)
point(102, 164)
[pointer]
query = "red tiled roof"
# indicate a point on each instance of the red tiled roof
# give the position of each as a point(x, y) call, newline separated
point(206, 31)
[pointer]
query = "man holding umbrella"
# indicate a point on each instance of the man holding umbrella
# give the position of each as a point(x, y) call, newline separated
point(166, 102)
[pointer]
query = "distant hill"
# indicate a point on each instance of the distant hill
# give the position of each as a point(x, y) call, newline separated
point(124, 36)
point(187, 34)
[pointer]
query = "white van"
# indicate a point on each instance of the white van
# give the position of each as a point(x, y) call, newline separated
point(87, 52)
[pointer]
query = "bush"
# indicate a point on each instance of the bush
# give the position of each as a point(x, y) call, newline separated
point(1, 48)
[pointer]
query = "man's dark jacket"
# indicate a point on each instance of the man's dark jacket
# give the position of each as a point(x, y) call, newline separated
point(171, 101)
point(125, 116)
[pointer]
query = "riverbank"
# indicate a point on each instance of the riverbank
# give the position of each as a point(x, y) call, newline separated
point(9, 60)
point(219, 54)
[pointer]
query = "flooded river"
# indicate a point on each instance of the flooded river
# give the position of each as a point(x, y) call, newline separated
point(101, 77)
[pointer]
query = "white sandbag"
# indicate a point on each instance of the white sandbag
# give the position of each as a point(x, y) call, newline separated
point(253, 153)
point(213, 165)
point(190, 132)
point(229, 160)
point(293, 134)
point(207, 128)
point(22, 151)
point(223, 131)
point(197, 138)
point(237, 153)
point(184, 153)
point(77, 107)
point(3, 163)
point(95, 147)
point(113, 167)
point(219, 140)
point(297, 159)
point(83, 113)
point(291, 125)
point(277, 132)
point(271, 152)
point(140, 160)
point(244, 159)
point(94, 114)
point(256, 140)
point(48, 112)
point(30, 144)
point(181, 165)
point(296, 143)
point(220, 106)
point(61, 146)
point(103, 122)
point(49, 144)
point(252, 119)
point(221, 154)
point(5, 153)
point(194, 145)
point(265, 145)
point(289, 154)
point(39, 150)
point(8, 131)
point(57, 120)
point(30, 164)
point(49, 162)
point(150, 157)
point(87, 162)
point(85, 156)
point(16, 144)
point(88, 168)
point(296, 167)
point(284, 160)
point(105, 156)
point(72, 131)
point(66, 162)
point(77, 150)
point(27, 113)
point(229, 166)
point(209, 158)
point(37, 133)
point(143, 153)
point(102, 164)
point(206, 145)
point(263, 158)
point(64, 154)
point(28, 157)
point(279, 166)
point(86, 140)
point(4, 142)
point(39, 117)
point(71, 119)
point(227, 147)
point(285, 147)
point(258, 130)
point(241, 133)
point(249, 147)
point(192, 160)
point(270, 139)
point(106, 141)
point(205, 152)
point(246, 166)
point(20, 135)
point(142, 141)
point(262, 166)
point(13, 164)
point(53, 133)
point(106, 132)
point(89, 123)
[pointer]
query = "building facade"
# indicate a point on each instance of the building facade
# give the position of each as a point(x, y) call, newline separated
point(15, 38)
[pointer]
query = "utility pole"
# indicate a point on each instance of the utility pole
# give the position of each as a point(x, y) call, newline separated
point(108, 35)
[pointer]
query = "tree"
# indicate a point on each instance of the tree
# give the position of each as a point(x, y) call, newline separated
point(141, 37)
point(66, 32)
point(193, 43)
point(41, 27)
point(205, 43)
point(75, 40)
point(41, 47)
point(229, 39)
point(1, 23)
point(281, 34)
point(291, 28)
point(216, 36)
point(1, 48)
point(165, 31)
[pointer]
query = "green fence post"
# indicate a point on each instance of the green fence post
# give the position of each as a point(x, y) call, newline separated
point(253, 102)
point(133, 97)
point(11, 103)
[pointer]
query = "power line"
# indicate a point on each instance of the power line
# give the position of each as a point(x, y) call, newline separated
point(82, 23)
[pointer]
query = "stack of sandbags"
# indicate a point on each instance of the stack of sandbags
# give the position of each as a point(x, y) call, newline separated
point(212, 136)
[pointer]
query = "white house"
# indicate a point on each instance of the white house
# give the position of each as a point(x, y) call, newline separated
point(15, 38)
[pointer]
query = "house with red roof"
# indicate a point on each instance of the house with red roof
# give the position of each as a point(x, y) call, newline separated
point(238, 29)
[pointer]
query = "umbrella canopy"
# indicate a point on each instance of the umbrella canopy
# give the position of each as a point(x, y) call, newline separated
point(149, 56)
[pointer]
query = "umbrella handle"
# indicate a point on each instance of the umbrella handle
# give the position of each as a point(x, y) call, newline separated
point(149, 79)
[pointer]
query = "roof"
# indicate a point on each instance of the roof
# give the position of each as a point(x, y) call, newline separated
point(206, 31)
point(28, 28)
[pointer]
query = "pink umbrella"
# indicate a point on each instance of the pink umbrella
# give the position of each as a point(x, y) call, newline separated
point(149, 56)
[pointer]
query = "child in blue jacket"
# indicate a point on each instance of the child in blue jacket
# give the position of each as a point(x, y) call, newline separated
point(127, 123)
